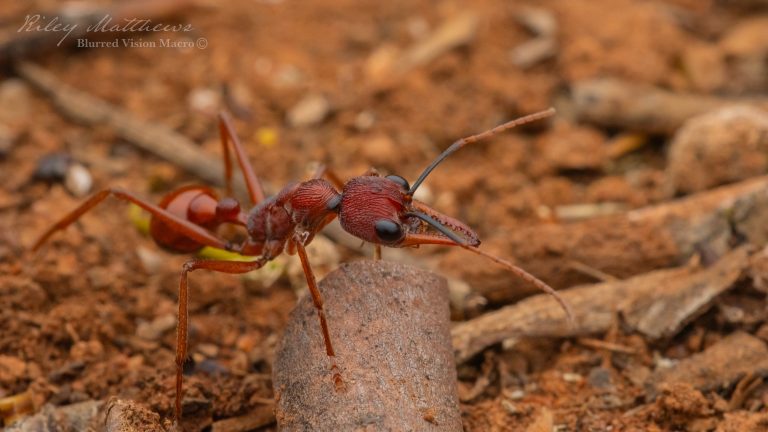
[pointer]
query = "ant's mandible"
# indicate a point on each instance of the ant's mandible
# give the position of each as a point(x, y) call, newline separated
point(379, 210)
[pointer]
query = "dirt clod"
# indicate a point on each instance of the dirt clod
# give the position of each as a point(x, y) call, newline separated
point(389, 326)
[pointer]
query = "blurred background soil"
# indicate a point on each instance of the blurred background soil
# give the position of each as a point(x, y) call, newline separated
point(92, 315)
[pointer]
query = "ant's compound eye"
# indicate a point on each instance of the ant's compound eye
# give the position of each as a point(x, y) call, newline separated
point(400, 181)
point(388, 231)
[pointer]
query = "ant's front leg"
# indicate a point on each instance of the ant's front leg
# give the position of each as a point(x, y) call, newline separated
point(317, 299)
point(231, 267)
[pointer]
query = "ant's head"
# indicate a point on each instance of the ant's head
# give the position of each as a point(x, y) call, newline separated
point(382, 210)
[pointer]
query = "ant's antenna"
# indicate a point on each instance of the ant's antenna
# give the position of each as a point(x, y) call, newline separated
point(522, 274)
point(475, 138)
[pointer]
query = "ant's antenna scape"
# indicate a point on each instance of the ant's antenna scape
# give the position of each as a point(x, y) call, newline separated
point(439, 227)
point(475, 138)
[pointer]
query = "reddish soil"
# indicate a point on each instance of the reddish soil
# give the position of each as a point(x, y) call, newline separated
point(91, 315)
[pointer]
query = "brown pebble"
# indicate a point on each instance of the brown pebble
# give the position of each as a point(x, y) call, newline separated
point(723, 146)
point(155, 329)
point(309, 111)
point(380, 150)
point(130, 416)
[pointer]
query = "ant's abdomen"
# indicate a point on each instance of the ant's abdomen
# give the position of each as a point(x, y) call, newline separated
point(193, 203)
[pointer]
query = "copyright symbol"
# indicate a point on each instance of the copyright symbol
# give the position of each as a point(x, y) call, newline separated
point(201, 43)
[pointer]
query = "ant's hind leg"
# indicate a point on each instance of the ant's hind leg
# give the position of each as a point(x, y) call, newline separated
point(182, 226)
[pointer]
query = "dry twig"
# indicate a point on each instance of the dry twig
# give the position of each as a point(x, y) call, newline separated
point(156, 139)
point(616, 103)
point(725, 362)
point(661, 236)
point(656, 304)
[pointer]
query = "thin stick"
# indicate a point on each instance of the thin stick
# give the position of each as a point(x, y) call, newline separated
point(604, 345)
point(154, 138)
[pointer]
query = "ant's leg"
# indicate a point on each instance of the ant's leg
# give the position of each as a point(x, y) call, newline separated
point(317, 299)
point(183, 226)
point(232, 267)
point(228, 135)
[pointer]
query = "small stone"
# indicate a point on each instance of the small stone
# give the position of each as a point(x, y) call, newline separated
point(78, 180)
point(309, 111)
point(600, 378)
point(128, 415)
point(204, 100)
point(510, 407)
point(719, 147)
point(288, 76)
point(538, 21)
point(572, 377)
point(424, 194)
point(516, 394)
point(208, 350)
point(663, 362)
point(364, 120)
point(533, 52)
point(155, 329)
point(151, 260)
point(52, 167)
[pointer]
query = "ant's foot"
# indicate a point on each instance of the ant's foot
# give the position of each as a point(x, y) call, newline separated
point(338, 382)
